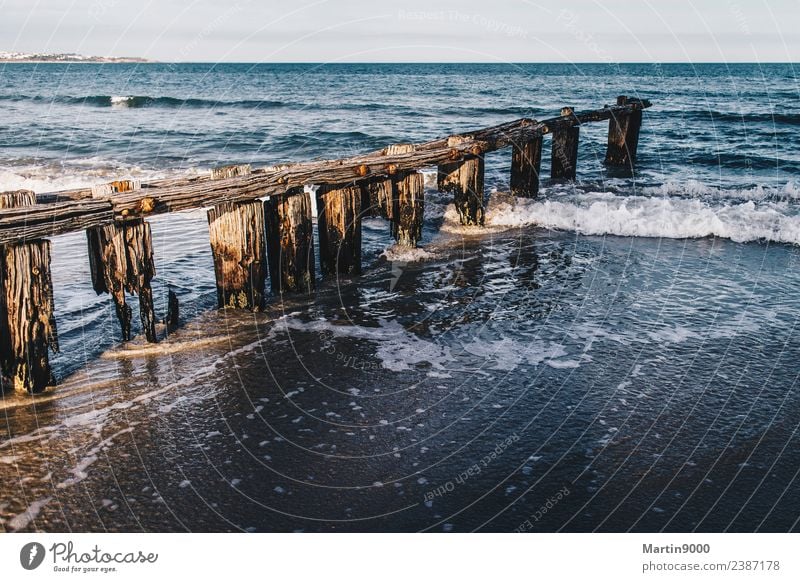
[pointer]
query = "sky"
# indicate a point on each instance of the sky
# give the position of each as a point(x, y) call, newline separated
point(609, 31)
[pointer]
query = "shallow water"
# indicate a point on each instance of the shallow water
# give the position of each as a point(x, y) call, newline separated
point(543, 374)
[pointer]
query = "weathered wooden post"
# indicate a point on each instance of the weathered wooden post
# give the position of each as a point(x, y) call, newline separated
point(377, 197)
point(121, 260)
point(140, 271)
point(27, 319)
point(565, 149)
point(236, 233)
point(408, 200)
point(623, 136)
point(339, 226)
point(526, 162)
point(290, 242)
point(224, 172)
point(108, 263)
point(464, 179)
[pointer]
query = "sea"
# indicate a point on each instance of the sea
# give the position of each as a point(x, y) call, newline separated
point(618, 354)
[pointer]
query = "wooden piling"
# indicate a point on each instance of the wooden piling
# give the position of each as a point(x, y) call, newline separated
point(236, 232)
point(339, 227)
point(526, 162)
point(115, 187)
point(464, 178)
point(623, 136)
point(108, 264)
point(225, 172)
point(565, 150)
point(377, 198)
point(121, 260)
point(408, 200)
point(290, 242)
point(27, 319)
point(140, 271)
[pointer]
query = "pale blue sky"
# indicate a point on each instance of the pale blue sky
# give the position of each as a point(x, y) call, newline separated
point(410, 30)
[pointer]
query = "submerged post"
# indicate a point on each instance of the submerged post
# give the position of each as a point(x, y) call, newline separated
point(339, 226)
point(526, 162)
point(623, 136)
point(290, 242)
point(464, 179)
point(565, 150)
point(27, 319)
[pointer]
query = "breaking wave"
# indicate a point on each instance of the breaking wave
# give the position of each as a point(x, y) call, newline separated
point(602, 213)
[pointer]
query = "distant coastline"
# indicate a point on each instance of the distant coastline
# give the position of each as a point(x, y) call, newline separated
point(15, 57)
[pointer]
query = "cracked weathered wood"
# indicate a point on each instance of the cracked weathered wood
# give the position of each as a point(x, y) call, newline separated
point(377, 196)
point(121, 261)
point(290, 242)
point(115, 187)
point(141, 270)
point(108, 264)
point(409, 208)
point(339, 227)
point(238, 245)
point(27, 318)
point(230, 172)
point(623, 136)
point(564, 160)
point(408, 200)
point(526, 163)
point(465, 180)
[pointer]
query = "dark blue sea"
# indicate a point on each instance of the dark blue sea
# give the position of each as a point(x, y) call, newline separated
point(619, 354)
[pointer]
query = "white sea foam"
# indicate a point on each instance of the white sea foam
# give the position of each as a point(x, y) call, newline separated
point(697, 189)
point(401, 254)
point(397, 348)
point(598, 213)
point(121, 100)
point(507, 354)
point(78, 173)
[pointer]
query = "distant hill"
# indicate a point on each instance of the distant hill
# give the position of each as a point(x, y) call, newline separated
point(13, 57)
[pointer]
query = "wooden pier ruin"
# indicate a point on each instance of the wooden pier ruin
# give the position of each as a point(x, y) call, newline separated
point(260, 223)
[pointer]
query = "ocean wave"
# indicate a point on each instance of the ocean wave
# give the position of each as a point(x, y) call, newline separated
point(781, 118)
point(137, 101)
point(602, 213)
point(697, 189)
point(78, 173)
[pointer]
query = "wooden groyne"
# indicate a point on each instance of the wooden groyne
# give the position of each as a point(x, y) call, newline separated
point(260, 223)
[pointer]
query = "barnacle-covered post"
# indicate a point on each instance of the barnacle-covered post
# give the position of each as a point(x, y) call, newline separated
point(27, 317)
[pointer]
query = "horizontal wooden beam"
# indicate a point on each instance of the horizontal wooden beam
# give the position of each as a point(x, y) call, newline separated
point(60, 212)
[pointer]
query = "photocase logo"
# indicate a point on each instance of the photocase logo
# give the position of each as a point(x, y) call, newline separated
point(397, 272)
point(31, 555)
